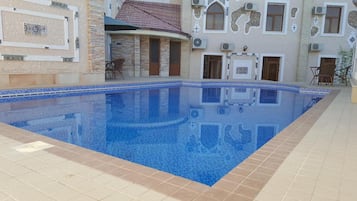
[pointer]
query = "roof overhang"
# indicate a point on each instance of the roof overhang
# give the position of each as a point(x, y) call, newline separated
point(146, 32)
point(111, 24)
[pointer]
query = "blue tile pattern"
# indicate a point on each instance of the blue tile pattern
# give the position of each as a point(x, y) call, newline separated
point(89, 89)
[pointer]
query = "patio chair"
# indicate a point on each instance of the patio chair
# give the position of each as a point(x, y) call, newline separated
point(326, 74)
point(118, 67)
point(315, 74)
point(322, 75)
point(109, 70)
point(343, 74)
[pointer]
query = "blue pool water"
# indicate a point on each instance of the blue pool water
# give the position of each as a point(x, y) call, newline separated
point(199, 133)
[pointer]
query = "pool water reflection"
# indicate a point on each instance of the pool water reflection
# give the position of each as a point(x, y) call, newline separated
point(197, 133)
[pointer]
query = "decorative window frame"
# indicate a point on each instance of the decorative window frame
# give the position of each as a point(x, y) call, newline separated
point(343, 19)
point(286, 17)
point(230, 67)
point(226, 15)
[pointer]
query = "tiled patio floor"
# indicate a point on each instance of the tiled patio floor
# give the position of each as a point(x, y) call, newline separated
point(323, 167)
point(313, 159)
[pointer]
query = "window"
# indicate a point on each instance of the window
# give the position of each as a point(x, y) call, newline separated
point(275, 17)
point(215, 17)
point(333, 19)
point(268, 96)
point(265, 133)
point(211, 95)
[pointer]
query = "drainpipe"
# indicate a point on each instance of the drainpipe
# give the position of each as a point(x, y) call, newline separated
point(303, 54)
point(354, 63)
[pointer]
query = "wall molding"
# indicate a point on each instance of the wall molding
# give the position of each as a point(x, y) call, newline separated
point(69, 39)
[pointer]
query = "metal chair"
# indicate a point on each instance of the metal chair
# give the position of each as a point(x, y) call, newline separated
point(320, 77)
point(315, 70)
point(343, 74)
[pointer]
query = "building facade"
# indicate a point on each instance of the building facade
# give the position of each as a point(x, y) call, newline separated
point(270, 40)
point(64, 42)
point(160, 47)
point(275, 40)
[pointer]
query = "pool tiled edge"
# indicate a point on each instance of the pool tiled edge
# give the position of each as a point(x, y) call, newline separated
point(249, 177)
point(242, 183)
point(87, 89)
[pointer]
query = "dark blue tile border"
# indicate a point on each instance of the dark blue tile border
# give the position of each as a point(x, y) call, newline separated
point(90, 89)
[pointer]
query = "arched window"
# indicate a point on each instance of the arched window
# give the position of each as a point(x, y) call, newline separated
point(215, 17)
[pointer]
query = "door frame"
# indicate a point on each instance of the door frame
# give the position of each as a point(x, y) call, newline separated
point(321, 56)
point(159, 56)
point(281, 65)
point(179, 64)
point(337, 60)
point(224, 62)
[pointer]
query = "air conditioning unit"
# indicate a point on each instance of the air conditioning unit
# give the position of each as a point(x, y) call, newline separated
point(223, 110)
point(198, 3)
point(250, 6)
point(315, 47)
point(199, 43)
point(196, 113)
point(318, 10)
point(227, 47)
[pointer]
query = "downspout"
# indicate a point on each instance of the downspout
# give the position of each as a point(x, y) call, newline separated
point(303, 54)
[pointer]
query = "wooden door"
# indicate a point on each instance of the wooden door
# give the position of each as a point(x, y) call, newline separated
point(327, 69)
point(154, 66)
point(175, 58)
point(212, 67)
point(271, 68)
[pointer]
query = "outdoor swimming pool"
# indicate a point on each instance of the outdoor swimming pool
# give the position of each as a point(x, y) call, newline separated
point(196, 130)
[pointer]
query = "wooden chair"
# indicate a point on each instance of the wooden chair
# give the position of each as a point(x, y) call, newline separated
point(118, 67)
point(109, 70)
point(321, 76)
point(326, 74)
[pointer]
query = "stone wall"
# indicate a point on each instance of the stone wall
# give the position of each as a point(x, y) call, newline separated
point(123, 47)
point(135, 50)
point(164, 57)
point(145, 60)
point(96, 43)
point(137, 56)
point(69, 54)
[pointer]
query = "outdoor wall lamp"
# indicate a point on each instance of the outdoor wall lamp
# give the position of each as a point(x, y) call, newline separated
point(245, 48)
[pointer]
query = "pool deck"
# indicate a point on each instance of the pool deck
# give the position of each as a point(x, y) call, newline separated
point(314, 159)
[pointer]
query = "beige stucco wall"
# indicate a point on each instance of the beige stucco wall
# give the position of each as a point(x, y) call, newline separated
point(354, 91)
point(111, 7)
point(354, 78)
point(291, 45)
point(239, 33)
point(45, 66)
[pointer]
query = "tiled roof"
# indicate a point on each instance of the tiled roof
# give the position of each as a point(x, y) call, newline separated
point(154, 16)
